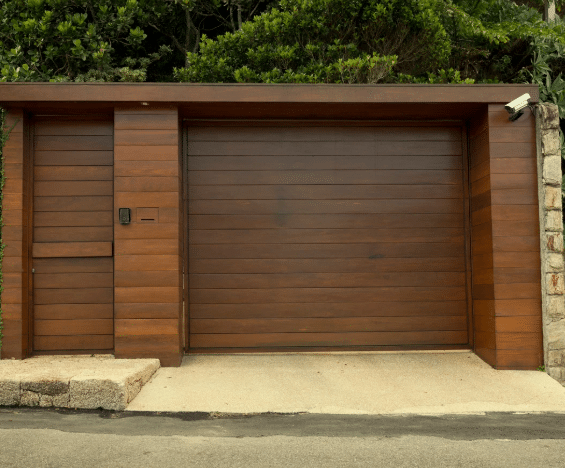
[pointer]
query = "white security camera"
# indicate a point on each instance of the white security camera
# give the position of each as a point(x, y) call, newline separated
point(516, 107)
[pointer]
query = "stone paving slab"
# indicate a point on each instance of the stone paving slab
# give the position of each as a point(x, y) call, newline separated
point(85, 382)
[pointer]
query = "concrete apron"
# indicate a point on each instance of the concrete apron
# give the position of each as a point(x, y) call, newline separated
point(435, 382)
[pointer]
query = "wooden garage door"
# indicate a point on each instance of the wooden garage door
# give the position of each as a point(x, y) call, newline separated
point(325, 236)
point(72, 235)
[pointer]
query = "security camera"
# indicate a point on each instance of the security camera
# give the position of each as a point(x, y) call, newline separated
point(515, 108)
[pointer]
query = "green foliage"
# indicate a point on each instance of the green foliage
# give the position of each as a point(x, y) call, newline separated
point(76, 40)
point(326, 41)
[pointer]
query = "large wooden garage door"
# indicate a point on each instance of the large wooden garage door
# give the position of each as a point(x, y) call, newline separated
point(325, 236)
point(72, 235)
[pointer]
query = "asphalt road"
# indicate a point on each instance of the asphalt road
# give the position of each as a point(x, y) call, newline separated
point(63, 438)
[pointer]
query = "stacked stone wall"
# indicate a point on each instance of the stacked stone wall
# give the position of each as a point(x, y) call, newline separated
point(551, 237)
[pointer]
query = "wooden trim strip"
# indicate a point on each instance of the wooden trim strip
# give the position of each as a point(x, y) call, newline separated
point(72, 249)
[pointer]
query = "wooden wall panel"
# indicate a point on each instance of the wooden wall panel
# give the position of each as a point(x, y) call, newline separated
point(148, 254)
point(481, 238)
point(516, 256)
point(15, 343)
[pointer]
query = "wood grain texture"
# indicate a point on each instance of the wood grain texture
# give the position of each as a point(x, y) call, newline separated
point(311, 229)
point(73, 234)
point(148, 258)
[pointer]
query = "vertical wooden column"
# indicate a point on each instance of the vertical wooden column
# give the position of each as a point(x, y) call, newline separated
point(14, 236)
point(147, 179)
point(505, 240)
point(481, 237)
point(516, 240)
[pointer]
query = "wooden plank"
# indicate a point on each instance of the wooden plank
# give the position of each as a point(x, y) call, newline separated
point(325, 309)
point(72, 188)
point(522, 340)
point(327, 325)
point(147, 294)
point(145, 121)
point(52, 343)
point(514, 308)
point(73, 173)
point(513, 166)
point(278, 163)
point(325, 177)
point(74, 265)
point(516, 244)
point(74, 327)
point(140, 327)
point(515, 259)
point(513, 149)
point(146, 168)
point(325, 236)
point(72, 249)
point(369, 250)
point(519, 324)
point(146, 184)
point(58, 127)
point(515, 212)
point(518, 291)
point(73, 234)
point(135, 199)
point(514, 197)
point(361, 132)
point(323, 148)
point(73, 143)
point(73, 280)
point(516, 228)
point(146, 137)
point(328, 339)
point(286, 207)
point(144, 310)
point(146, 153)
point(73, 204)
point(326, 221)
point(168, 278)
point(327, 265)
point(74, 296)
point(11, 233)
point(513, 181)
point(325, 280)
point(307, 295)
point(146, 262)
point(147, 247)
point(519, 359)
point(147, 231)
point(73, 311)
point(74, 158)
point(322, 192)
point(511, 134)
point(73, 218)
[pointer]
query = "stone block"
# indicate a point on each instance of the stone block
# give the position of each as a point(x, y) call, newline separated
point(47, 386)
point(555, 335)
point(550, 142)
point(548, 115)
point(553, 221)
point(91, 393)
point(552, 170)
point(29, 398)
point(554, 242)
point(555, 308)
point(553, 198)
point(554, 262)
point(9, 392)
point(555, 283)
point(556, 358)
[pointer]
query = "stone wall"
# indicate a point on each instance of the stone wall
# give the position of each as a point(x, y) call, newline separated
point(551, 234)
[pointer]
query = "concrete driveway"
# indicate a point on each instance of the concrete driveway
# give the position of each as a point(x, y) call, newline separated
point(348, 383)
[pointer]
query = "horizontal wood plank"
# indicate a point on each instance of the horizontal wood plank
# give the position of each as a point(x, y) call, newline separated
point(72, 249)
point(73, 343)
point(74, 327)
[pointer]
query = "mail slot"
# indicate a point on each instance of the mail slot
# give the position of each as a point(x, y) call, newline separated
point(147, 215)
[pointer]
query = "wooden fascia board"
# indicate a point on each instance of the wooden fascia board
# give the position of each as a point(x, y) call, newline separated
point(179, 93)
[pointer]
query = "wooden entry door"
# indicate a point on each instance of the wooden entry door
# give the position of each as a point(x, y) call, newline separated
point(73, 267)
